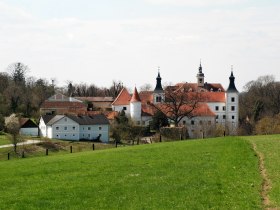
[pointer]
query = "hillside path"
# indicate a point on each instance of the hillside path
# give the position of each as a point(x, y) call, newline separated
point(21, 143)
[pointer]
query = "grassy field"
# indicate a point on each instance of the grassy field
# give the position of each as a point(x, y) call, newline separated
point(4, 140)
point(217, 173)
point(269, 146)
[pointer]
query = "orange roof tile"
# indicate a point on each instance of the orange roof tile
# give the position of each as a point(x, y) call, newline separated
point(146, 96)
point(135, 97)
point(62, 105)
point(123, 98)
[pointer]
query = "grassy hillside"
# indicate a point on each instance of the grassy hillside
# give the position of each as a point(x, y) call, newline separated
point(4, 140)
point(269, 146)
point(206, 174)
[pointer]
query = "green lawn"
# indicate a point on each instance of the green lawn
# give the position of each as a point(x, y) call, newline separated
point(4, 140)
point(217, 173)
point(269, 146)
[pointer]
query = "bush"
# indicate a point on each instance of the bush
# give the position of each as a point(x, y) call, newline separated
point(174, 133)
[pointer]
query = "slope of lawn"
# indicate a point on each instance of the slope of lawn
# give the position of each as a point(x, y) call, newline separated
point(269, 146)
point(203, 174)
point(4, 140)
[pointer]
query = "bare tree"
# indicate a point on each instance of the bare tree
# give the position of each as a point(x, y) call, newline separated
point(13, 127)
point(178, 104)
point(18, 72)
point(146, 87)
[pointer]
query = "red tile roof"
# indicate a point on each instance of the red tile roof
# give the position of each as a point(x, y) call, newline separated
point(123, 98)
point(146, 96)
point(96, 99)
point(63, 105)
point(135, 97)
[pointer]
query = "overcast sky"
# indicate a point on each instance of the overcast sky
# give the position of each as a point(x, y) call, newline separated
point(100, 41)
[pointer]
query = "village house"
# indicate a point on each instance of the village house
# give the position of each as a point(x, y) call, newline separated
point(71, 127)
point(216, 106)
point(28, 127)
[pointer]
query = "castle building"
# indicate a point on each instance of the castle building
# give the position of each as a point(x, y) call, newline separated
point(216, 106)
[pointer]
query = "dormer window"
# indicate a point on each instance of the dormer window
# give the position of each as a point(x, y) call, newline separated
point(158, 99)
point(219, 90)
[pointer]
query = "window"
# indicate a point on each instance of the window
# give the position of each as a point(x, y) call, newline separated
point(224, 117)
point(192, 122)
point(209, 122)
point(57, 128)
point(73, 134)
point(232, 117)
point(65, 119)
point(89, 128)
point(200, 122)
point(100, 128)
point(217, 108)
point(232, 99)
point(138, 122)
point(124, 108)
point(74, 128)
point(232, 108)
point(88, 135)
point(65, 128)
point(200, 80)
point(217, 117)
point(184, 122)
point(143, 122)
point(224, 108)
point(100, 134)
point(158, 99)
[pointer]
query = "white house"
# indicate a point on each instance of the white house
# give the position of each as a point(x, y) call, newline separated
point(28, 127)
point(70, 127)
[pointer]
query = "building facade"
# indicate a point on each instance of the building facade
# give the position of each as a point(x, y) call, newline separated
point(217, 106)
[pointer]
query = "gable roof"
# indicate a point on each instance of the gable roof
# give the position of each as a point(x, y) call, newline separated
point(123, 98)
point(192, 87)
point(96, 99)
point(99, 119)
point(47, 118)
point(62, 105)
point(135, 97)
point(27, 123)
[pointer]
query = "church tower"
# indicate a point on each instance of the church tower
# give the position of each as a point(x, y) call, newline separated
point(158, 95)
point(232, 106)
point(135, 106)
point(200, 77)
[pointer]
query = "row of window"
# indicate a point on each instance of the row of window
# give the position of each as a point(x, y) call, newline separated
point(224, 117)
point(232, 108)
point(69, 135)
point(74, 128)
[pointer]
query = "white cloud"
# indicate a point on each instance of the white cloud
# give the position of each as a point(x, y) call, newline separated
point(130, 50)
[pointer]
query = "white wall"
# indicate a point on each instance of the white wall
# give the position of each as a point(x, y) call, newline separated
point(66, 129)
point(29, 131)
point(42, 128)
point(220, 113)
point(120, 108)
point(91, 132)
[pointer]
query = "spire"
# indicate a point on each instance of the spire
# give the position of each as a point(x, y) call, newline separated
point(200, 68)
point(231, 87)
point(200, 76)
point(158, 85)
point(135, 97)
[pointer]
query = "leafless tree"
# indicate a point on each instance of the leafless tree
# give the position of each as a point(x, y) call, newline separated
point(13, 127)
point(178, 104)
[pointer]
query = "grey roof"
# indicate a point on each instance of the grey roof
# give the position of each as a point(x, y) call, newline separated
point(47, 118)
point(99, 119)
point(55, 119)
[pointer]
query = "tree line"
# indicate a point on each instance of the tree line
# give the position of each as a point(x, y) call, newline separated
point(23, 94)
point(260, 107)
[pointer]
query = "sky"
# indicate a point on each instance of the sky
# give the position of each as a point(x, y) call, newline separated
point(96, 42)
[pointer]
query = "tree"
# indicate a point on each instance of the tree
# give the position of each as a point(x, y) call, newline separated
point(159, 120)
point(2, 122)
point(13, 127)
point(18, 72)
point(178, 104)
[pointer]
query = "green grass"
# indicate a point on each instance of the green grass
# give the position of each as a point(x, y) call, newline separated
point(4, 140)
point(206, 174)
point(269, 146)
